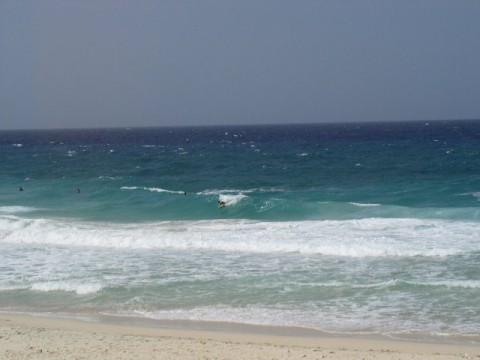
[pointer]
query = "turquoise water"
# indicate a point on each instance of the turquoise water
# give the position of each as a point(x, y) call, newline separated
point(363, 228)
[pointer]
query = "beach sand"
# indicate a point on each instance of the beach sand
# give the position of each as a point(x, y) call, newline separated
point(38, 337)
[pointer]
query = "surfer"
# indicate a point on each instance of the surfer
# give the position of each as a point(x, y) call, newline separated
point(221, 203)
point(20, 188)
point(78, 191)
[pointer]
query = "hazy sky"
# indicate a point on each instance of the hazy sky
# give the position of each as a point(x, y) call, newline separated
point(102, 63)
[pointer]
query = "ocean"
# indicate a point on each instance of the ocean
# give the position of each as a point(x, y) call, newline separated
point(358, 228)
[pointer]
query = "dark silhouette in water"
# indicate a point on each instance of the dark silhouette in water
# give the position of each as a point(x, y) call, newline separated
point(20, 188)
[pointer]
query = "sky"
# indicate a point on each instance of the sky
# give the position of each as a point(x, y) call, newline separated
point(125, 63)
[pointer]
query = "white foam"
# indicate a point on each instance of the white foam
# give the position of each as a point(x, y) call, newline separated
point(364, 204)
point(466, 284)
point(250, 315)
point(13, 287)
point(474, 194)
point(225, 191)
point(151, 189)
point(16, 209)
point(80, 289)
point(217, 192)
point(350, 238)
point(231, 200)
point(17, 145)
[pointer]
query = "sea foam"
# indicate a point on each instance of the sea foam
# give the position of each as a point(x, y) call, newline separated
point(349, 238)
point(16, 209)
point(151, 189)
point(78, 288)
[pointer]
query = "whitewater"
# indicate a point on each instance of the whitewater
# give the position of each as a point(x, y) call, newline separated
point(365, 228)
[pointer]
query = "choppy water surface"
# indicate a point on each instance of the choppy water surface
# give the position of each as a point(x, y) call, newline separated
point(363, 228)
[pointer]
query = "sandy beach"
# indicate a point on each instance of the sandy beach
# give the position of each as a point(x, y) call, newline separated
point(34, 337)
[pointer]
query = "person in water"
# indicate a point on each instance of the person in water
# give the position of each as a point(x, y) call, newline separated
point(20, 188)
point(78, 191)
point(221, 203)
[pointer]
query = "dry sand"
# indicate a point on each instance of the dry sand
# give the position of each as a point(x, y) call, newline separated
point(29, 337)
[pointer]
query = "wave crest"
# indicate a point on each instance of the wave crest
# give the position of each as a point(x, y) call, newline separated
point(350, 238)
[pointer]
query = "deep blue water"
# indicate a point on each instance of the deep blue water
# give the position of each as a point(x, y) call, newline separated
point(289, 172)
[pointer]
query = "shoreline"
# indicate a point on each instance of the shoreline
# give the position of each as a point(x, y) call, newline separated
point(243, 328)
point(47, 337)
